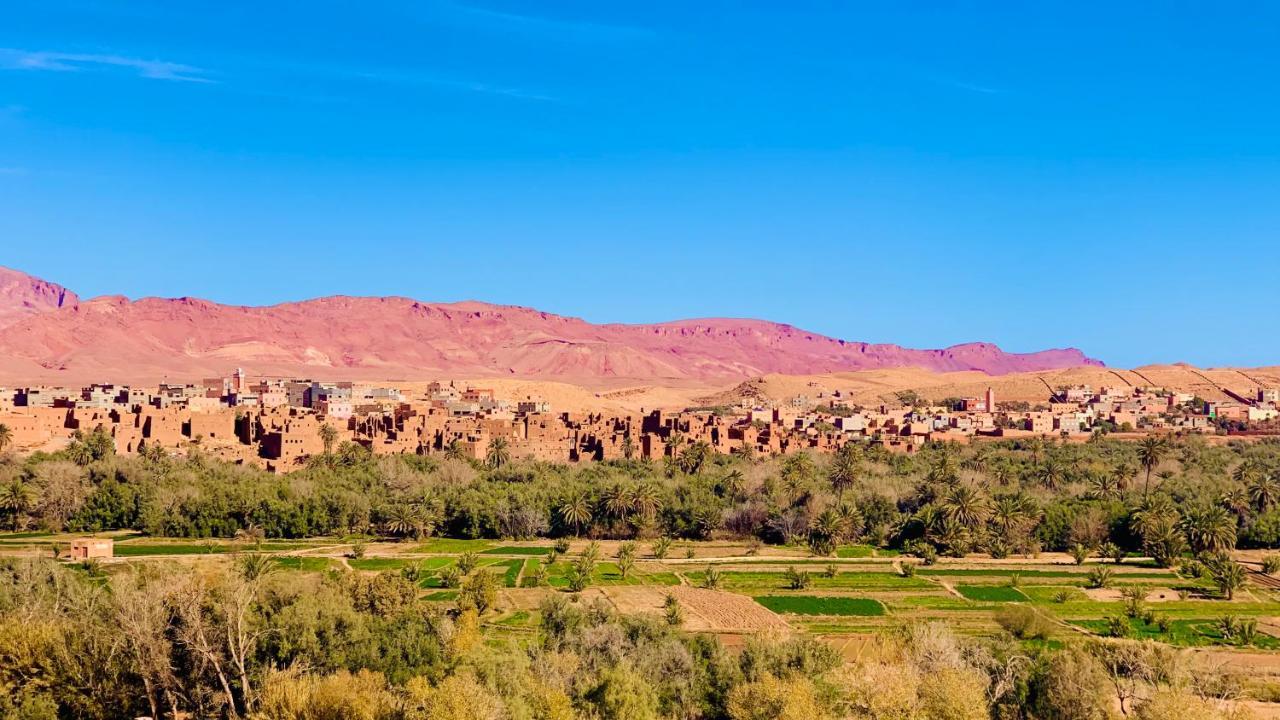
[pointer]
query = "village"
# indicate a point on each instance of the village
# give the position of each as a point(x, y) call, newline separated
point(276, 423)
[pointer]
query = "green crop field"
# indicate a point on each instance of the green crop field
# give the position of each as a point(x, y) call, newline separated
point(815, 605)
point(991, 593)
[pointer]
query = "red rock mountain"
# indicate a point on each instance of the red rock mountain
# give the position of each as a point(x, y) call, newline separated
point(22, 295)
point(113, 338)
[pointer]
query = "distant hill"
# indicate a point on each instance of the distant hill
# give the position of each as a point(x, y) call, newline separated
point(22, 295)
point(49, 334)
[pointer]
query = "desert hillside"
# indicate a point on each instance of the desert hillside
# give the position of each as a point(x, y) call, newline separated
point(115, 339)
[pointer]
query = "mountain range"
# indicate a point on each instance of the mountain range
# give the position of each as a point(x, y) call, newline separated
point(49, 334)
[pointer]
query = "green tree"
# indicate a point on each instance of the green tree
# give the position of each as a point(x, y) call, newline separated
point(328, 436)
point(1210, 529)
point(498, 453)
point(1151, 451)
point(576, 511)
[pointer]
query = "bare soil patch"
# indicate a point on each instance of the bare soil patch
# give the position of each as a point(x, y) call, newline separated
point(704, 610)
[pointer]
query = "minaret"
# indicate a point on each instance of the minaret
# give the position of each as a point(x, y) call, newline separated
point(991, 400)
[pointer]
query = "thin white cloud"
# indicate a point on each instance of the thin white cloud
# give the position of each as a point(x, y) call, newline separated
point(401, 78)
point(15, 59)
point(971, 87)
point(540, 23)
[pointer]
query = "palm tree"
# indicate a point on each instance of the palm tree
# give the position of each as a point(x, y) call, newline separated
point(1050, 472)
point(628, 447)
point(328, 436)
point(965, 505)
point(1008, 513)
point(6, 437)
point(944, 469)
point(1150, 452)
point(16, 498)
point(694, 457)
point(1227, 574)
point(497, 455)
point(646, 501)
point(618, 502)
point(1210, 529)
point(576, 511)
point(1246, 472)
point(1104, 486)
point(673, 443)
point(404, 519)
point(454, 450)
point(731, 483)
point(842, 473)
point(1264, 491)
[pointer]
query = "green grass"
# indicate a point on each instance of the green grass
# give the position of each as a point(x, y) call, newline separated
point(450, 545)
point(991, 593)
point(815, 605)
point(303, 564)
point(1004, 573)
point(517, 550)
point(512, 574)
point(1195, 632)
point(140, 550)
point(855, 551)
point(441, 596)
point(757, 581)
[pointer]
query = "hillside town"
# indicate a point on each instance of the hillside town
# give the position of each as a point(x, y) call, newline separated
point(277, 424)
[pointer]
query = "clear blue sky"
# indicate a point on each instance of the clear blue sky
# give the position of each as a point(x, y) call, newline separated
point(1103, 175)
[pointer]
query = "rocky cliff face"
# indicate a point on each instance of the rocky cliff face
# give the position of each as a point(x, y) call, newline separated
point(153, 338)
point(22, 295)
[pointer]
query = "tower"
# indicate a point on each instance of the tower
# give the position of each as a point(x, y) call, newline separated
point(990, 399)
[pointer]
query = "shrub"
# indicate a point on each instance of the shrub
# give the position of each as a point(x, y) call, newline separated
point(1134, 596)
point(797, 579)
point(1271, 565)
point(467, 562)
point(1100, 577)
point(907, 570)
point(753, 546)
point(358, 549)
point(1024, 622)
point(1118, 626)
point(1080, 553)
point(830, 571)
point(661, 547)
point(1112, 551)
point(450, 577)
point(672, 612)
point(1065, 595)
point(562, 546)
point(711, 578)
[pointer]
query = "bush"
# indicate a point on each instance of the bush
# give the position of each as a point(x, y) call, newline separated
point(661, 547)
point(1080, 553)
point(1100, 577)
point(711, 578)
point(451, 577)
point(797, 579)
point(1024, 622)
point(1271, 564)
point(1066, 595)
point(1118, 626)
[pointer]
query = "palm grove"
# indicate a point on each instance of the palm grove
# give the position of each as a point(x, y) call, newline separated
point(244, 641)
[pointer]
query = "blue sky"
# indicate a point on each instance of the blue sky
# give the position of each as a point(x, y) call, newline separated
point(1099, 175)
